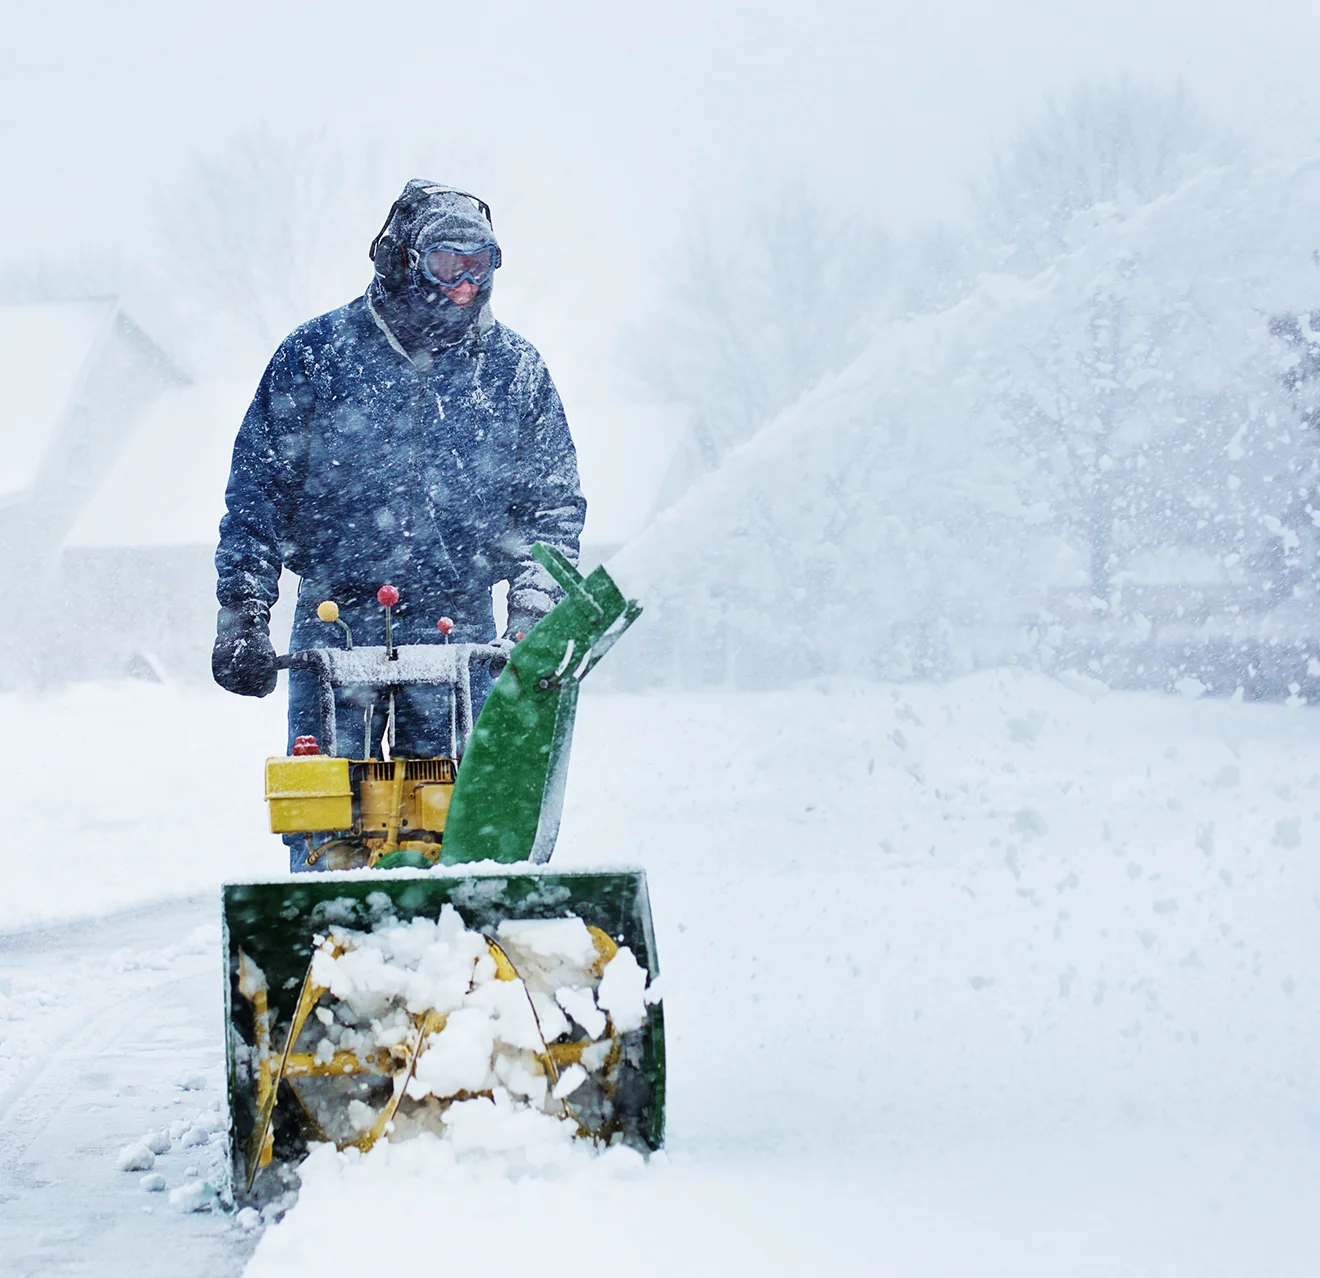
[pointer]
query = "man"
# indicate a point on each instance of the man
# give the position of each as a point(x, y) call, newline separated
point(407, 438)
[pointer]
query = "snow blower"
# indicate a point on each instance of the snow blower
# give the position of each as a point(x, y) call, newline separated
point(438, 975)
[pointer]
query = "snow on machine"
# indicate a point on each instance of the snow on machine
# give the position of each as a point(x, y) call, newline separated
point(439, 976)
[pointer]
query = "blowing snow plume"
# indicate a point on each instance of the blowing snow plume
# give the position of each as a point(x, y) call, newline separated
point(922, 512)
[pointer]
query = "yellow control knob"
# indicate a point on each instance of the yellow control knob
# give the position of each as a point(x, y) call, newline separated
point(328, 611)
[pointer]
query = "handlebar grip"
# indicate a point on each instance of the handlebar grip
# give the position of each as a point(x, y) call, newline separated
point(316, 657)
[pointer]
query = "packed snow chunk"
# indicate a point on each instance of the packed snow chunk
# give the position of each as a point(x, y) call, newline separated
point(499, 1126)
point(212, 1120)
point(567, 939)
point(554, 1024)
point(197, 1195)
point(569, 1081)
point(510, 1012)
point(622, 991)
point(248, 1219)
point(157, 1142)
point(457, 1059)
point(195, 1136)
point(448, 964)
point(251, 979)
point(193, 1083)
point(358, 976)
point(360, 1115)
point(136, 1157)
point(550, 951)
point(152, 1182)
point(427, 963)
point(523, 1076)
point(580, 1004)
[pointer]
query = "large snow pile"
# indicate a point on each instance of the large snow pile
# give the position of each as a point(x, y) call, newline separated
point(882, 525)
point(907, 516)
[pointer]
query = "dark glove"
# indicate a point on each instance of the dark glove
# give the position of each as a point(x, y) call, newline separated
point(521, 621)
point(243, 660)
point(519, 626)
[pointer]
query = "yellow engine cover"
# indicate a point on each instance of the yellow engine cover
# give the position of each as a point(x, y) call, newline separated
point(308, 794)
point(433, 804)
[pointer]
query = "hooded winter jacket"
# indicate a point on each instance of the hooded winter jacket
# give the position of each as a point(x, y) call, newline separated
point(361, 461)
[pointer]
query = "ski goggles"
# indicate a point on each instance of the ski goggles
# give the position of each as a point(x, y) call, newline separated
point(449, 267)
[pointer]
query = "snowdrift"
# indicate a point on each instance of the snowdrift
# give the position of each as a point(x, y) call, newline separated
point(914, 515)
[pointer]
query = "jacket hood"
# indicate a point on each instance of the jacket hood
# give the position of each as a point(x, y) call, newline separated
point(420, 315)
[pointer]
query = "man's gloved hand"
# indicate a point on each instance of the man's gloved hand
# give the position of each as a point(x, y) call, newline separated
point(243, 660)
point(521, 623)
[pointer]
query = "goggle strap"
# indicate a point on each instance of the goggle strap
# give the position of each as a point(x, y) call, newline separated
point(482, 207)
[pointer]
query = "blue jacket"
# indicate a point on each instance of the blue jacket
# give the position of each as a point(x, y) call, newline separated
point(355, 466)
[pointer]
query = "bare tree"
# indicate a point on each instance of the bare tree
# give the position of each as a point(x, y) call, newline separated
point(270, 231)
point(1296, 546)
point(755, 314)
point(1097, 404)
point(1120, 143)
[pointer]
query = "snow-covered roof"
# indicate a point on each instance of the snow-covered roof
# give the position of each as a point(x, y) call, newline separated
point(44, 352)
point(167, 487)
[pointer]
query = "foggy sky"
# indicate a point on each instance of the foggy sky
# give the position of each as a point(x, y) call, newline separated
point(608, 127)
point(638, 111)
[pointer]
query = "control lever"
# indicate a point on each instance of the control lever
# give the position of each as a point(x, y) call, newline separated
point(387, 596)
point(329, 612)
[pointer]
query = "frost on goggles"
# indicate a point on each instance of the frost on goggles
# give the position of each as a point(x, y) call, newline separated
point(449, 268)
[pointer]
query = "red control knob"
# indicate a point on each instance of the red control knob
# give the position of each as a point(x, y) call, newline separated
point(305, 745)
point(387, 596)
point(521, 634)
point(445, 626)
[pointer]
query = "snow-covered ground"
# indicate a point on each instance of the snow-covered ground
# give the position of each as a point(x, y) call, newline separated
point(109, 1032)
point(1002, 976)
point(143, 792)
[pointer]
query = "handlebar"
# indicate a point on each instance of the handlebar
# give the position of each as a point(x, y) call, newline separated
point(418, 663)
point(433, 664)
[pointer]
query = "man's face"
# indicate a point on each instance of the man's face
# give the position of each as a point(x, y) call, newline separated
point(462, 294)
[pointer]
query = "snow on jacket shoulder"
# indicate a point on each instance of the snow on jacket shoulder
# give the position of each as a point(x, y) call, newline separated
point(352, 466)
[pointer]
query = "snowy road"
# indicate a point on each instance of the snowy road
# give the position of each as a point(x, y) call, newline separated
point(120, 1011)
